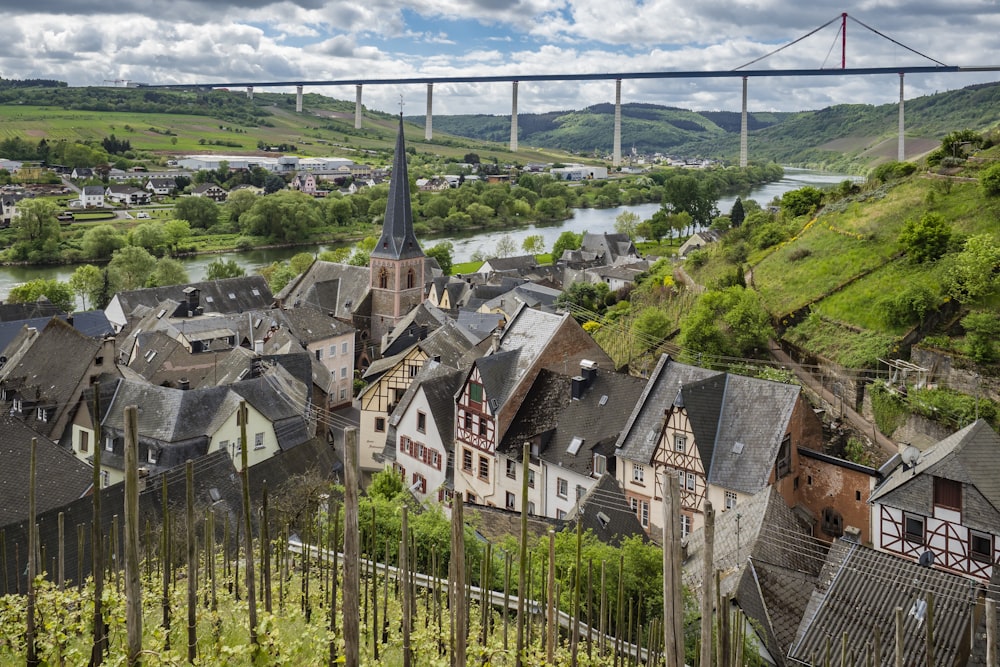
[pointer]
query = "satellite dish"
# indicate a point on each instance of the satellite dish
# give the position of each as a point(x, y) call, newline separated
point(910, 456)
point(926, 558)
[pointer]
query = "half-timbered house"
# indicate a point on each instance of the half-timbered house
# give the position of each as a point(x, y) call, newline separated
point(944, 507)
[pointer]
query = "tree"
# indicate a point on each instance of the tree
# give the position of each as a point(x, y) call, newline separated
point(362, 251)
point(533, 244)
point(148, 235)
point(442, 252)
point(471, 158)
point(288, 216)
point(300, 262)
point(737, 214)
point(626, 222)
point(652, 324)
point(130, 268)
point(101, 242)
point(385, 484)
point(730, 322)
point(201, 212)
point(506, 246)
point(479, 213)
point(87, 283)
point(955, 143)
point(36, 230)
point(175, 231)
point(981, 331)
point(59, 293)
point(168, 271)
point(803, 201)
point(273, 183)
point(926, 238)
point(973, 273)
point(989, 180)
point(566, 241)
point(691, 195)
point(588, 296)
point(224, 268)
point(238, 203)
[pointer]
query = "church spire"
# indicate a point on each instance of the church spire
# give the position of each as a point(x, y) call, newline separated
point(398, 240)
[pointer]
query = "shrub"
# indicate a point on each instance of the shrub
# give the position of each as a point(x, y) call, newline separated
point(989, 180)
point(908, 306)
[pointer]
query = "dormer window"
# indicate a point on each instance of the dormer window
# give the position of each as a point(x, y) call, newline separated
point(151, 455)
point(948, 493)
point(18, 406)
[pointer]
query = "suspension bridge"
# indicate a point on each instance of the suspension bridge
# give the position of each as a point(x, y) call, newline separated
point(742, 72)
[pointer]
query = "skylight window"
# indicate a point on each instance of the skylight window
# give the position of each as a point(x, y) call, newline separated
point(574, 445)
point(232, 296)
point(603, 401)
point(737, 447)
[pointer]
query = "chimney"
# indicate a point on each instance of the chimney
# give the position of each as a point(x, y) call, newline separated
point(258, 346)
point(184, 384)
point(496, 340)
point(588, 369)
point(578, 386)
point(193, 295)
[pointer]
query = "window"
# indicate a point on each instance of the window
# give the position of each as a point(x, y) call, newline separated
point(420, 483)
point(380, 424)
point(383, 279)
point(468, 421)
point(435, 460)
point(730, 499)
point(482, 425)
point(224, 445)
point(510, 501)
point(638, 473)
point(980, 546)
point(512, 468)
point(531, 478)
point(343, 348)
point(105, 478)
point(833, 522)
point(333, 350)
point(343, 394)
point(411, 279)
point(560, 514)
point(150, 455)
point(476, 393)
point(562, 487)
point(690, 481)
point(84, 441)
point(413, 369)
point(421, 422)
point(644, 513)
point(579, 492)
point(948, 493)
point(531, 507)
point(470, 497)
point(633, 503)
point(913, 528)
point(319, 354)
point(600, 464)
point(343, 372)
point(109, 444)
point(783, 464)
point(484, 468)
point(685, 525)
point(466, 460)
point(680, 443)
point(258, 441)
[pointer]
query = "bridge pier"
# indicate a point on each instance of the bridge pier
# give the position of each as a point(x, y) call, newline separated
point(249, 92)
point(357, 107)
point(743, 128)
point(901, 153)
point(298, 99)
point(616, 156)
point(428, 131)
point(513, 121)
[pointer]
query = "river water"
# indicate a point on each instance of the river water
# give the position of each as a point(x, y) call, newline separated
point(465, 246)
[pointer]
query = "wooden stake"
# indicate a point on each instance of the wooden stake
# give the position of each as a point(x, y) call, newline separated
point(550, 635)
point(192, 565)
point(133, 587)
point(523, 557)
point(707, 592)
point(456, 583)
point(247, 526)
point(991, 632)
point(930, 629)
point(899, 637)
point(29, 630)
point(352, 584)
point(404, 569)
point(100, 645)
point(673, 608)
point(165, 557)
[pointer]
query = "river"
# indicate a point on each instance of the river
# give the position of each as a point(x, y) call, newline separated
point(465, 246)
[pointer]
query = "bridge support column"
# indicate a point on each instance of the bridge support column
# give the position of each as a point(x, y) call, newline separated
point(357, 107)
point(616, 156)
point(743, 128)
point(901, 153)
point(513, 121)
point(428, 131)
point(298, 99)
point(249, 92)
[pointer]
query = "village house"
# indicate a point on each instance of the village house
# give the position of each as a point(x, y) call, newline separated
point(92, 196)
point(127, 195)
point(941, 507)
point(213, 191)
point(697, 241)
point(331, 342)
point(304, 181)
point(161, 186)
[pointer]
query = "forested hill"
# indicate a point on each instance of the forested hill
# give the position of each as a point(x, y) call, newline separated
point(838, 136)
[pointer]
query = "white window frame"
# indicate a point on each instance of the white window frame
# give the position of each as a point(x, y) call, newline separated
point(258, 440)
point(562, 487)
point(638, 473)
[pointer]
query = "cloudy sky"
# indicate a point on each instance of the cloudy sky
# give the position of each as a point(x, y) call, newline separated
point(187, 41)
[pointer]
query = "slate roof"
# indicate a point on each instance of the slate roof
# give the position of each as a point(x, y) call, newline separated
point(635, 442)
point(398, 240)
point(610, 247)
point(512, 264)
point(310, 324)
point(60, 477)
point(15, 312)
point(969, 456)
point(604, 511)
point(329, 286)
point(859, 590)
point(93, 324)
point(171, 415)
point(499, 374)
point(228, 295)
point(439, 383)
point(769, 563)
point(417, 325)
point(548, 409)
point(479, 323)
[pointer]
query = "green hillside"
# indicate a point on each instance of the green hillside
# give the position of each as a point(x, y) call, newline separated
point(842, 137)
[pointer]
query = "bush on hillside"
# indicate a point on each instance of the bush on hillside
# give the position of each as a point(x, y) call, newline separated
point(989, 180)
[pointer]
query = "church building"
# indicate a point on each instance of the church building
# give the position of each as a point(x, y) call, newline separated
point(397, 262)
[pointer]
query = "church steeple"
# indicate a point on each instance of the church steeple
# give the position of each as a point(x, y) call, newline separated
point(398, 240)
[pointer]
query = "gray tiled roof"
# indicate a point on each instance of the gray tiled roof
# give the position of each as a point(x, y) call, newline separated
point(398, 240)
point(309, 324)
point(604, 511)
point(597, 417)
point(499, 374)
point(171, 415)
point(60, 477)
point(635, 442)
point(329, 286)
point(228, 295)
point(439, 384)
point(858, 592)
point(969, 456)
